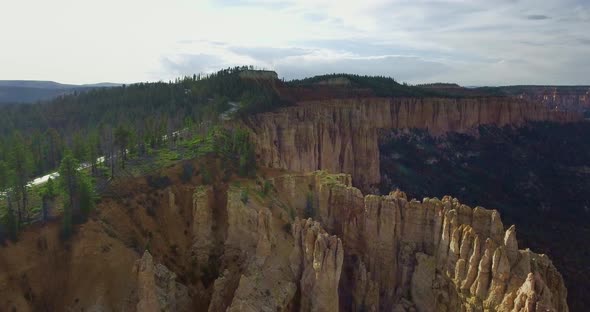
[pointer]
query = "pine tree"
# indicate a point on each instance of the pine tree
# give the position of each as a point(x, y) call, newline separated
point(54, 148)
point(4, 180)
point(87, 196)
point(6, 176)
point(80, 148)
point(21, 164)
point(78, 190)
point(122, 136)
point(68, 179)
point(48, 195)
point(93, 151)
point(11, 222)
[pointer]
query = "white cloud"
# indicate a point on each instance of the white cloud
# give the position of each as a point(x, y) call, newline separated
point(470, 42)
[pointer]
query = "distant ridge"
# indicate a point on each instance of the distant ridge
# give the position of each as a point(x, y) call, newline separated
point(29, 91)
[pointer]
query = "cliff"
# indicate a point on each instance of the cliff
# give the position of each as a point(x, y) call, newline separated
point(561, 98)
point(212, 248)
point(342, 135)
point(528, 174)
point(433, 255)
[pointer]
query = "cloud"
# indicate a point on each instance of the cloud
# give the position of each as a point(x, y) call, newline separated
point(268, 54)
point(403, 68)
point(537, 17)
point(189, 64)
point(468, 42)
point(475, 42)
point(299, 62)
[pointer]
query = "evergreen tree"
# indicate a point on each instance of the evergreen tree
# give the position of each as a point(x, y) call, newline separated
point(11, 221)
point(78, 190)
point(37, 153)
point(55, 148)
point(93, 150)
point(87, 195)
point(21, 165)
point(48, 195)
point(4, 180)
point(80, 147)
point(68, 178)
point(122, 136)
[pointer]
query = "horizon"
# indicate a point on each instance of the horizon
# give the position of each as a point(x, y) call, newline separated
point(117, 84)
point(469, 43)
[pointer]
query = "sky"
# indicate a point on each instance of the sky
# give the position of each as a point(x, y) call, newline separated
point(485, 42)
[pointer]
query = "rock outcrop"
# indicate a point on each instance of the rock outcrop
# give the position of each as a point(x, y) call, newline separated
point(433, 255)
point(311, 242)
point(158, 289)
point(342, 135)
point(317, 262)
point(562, 98)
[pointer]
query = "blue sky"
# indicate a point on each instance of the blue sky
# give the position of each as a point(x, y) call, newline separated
point(469, 42)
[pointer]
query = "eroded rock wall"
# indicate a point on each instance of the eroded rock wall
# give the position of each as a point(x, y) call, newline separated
point(430, 255)
point(310, 243)
point(341, 135)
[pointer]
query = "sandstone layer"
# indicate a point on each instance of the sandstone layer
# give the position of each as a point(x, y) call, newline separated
point(342, 135)
point(311, 242)
point(433, 255)
point(563, 98)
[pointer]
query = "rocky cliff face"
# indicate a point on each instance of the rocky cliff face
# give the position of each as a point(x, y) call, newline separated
point(434, 255)
point(310, 243)
point(158, 289)
point(342, 135)
point(562, 98)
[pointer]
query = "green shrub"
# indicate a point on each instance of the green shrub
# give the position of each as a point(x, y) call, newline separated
point(67, 221)
point(234, 149)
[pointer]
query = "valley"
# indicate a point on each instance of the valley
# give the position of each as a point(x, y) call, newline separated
point(305, 203)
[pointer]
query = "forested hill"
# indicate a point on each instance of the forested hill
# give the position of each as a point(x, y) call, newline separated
point(150, 110)
point(146, 110)
point(30, 91)
point(376, 85)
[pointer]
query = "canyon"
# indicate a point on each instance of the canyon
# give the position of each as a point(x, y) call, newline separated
point(188, 247)
point(534, 175)
point(341, 135)
point(317, 238)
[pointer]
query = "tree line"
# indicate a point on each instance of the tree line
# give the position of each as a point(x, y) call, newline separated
point(77, 129)
point(74, 186)
point(380, 85)
point(100, 121)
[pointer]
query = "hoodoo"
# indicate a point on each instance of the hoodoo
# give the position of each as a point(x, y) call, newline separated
point(212, 250)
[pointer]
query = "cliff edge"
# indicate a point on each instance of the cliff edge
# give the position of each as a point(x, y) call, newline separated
point(342, 135)
point(429, 255)
point(311, 242)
